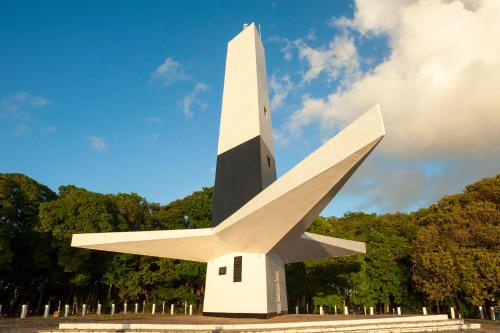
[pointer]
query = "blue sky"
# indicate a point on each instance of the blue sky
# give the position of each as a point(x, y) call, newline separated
point(80, 102)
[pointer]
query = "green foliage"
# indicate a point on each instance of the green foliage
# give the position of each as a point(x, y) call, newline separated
point(330, 301)
point(20, 197)
point(80, 211)
point(448, 253)
point(6, 253)
point(25, 253)
point(456, 256)
point(378, 277)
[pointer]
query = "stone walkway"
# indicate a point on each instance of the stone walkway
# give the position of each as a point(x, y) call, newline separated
point(33, 324)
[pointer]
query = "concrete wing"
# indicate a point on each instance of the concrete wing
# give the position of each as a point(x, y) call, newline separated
point(313, 246)
point(289, 205)
point(191, 244)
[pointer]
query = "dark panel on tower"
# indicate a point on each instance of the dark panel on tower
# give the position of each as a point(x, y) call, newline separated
point(242, 172)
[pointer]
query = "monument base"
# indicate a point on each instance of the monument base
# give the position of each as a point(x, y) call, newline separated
point(245, 285)
point(285, 324)
point(243, 315)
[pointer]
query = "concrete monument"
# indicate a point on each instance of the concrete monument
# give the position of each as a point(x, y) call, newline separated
point(259, 222)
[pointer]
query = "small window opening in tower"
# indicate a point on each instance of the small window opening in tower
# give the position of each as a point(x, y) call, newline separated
point(268, 162)
point(265, 111)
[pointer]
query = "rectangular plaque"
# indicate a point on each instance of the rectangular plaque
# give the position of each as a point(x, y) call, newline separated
point(237, 269)
point(222, 270)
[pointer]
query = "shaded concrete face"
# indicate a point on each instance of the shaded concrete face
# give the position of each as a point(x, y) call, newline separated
point(242, 172)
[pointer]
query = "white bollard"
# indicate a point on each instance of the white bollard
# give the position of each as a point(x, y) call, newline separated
point(424, 311)
point(321, 310)
point(393, 311)
point(143, 306)
point(84, 309)
point(125, 308)
point(185, 308)
point(481, 313)
point(136, 309)
point(371, 310)
point(335, 310)
point(190, 309)
point(99, 306)
point(346, 310)
point(296, 309)
point(24, 310)
point(171, 309)
point(113, 309)
point(452, 313)
point(153, 309)
point(492, 313)
point(46, 311)
point(163, 308)
point(307, 308)
point(66, 310)
point(365, 310)
point(399, 311)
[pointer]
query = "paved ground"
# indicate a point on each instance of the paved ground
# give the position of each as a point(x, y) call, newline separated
point(33, 324)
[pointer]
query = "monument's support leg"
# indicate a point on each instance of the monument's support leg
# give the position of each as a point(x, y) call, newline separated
point(245, 285)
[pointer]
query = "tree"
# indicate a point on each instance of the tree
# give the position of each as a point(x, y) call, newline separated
point(456, 256)
point(25, 253)
point(448, 253)
point(378, 278)
point(80, 211)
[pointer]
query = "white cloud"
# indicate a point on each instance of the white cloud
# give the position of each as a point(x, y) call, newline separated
point(39, 101)
point(170, 71)
point(191, 99)
point(381, 17)
point(149, 137)
point(311, 35)
point(339, 60)
point(438, 87)
point(48, 130)
point(97, 143)
point(35, 101)
point(287, 48)
point(280, 87)
point(17, 105)
point(388, 184)
point(21, 130)
point(155, 120)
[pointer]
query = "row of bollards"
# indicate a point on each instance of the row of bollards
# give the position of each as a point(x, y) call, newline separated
point(46, 311)
point(346, 310)
point(399, 312)
point(24, 310)
point(492, 312)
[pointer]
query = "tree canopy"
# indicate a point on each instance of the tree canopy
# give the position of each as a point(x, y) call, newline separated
point(446, 254)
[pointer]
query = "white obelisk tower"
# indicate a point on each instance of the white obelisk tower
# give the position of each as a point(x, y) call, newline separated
point(245, 166)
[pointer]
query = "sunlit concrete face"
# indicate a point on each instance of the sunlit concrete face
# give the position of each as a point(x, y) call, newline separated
point(259, 221)
point(258, 285)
